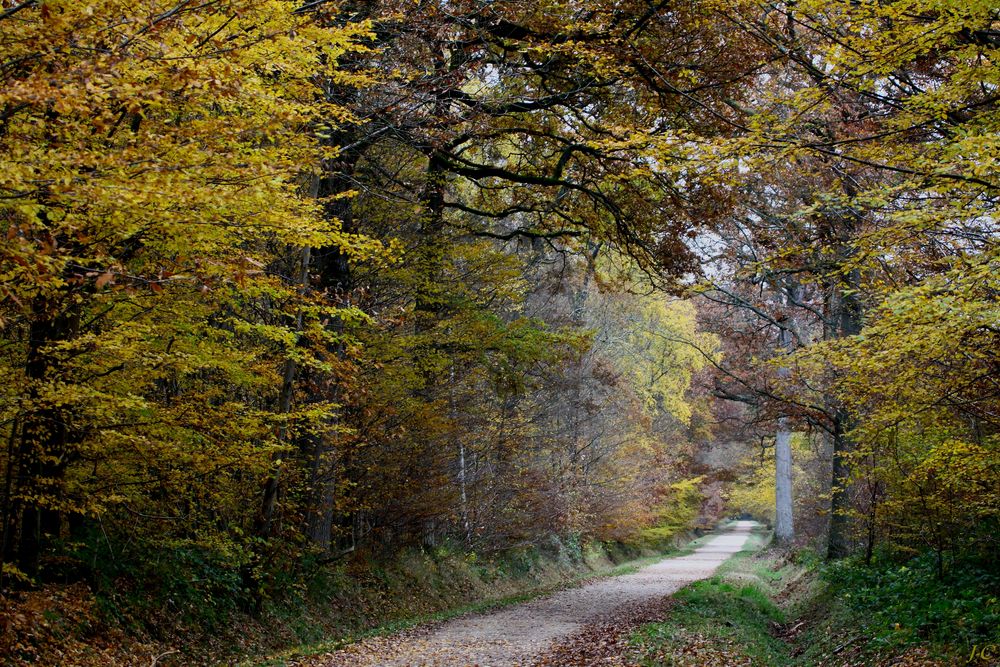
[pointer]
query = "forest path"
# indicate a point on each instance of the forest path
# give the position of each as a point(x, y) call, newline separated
point(521, 635)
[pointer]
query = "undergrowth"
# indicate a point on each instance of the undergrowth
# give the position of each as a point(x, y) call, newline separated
point(776, 609)
point(196, 615)
point(897, 605)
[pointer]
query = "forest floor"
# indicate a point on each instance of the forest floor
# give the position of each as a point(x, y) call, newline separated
point(561, 629)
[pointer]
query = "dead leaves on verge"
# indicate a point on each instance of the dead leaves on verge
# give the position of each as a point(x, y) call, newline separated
point(605, 643)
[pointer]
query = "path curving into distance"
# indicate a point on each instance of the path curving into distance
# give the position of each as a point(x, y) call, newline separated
point(516, 635)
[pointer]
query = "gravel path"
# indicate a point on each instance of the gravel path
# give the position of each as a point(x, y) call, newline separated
point(517, 635)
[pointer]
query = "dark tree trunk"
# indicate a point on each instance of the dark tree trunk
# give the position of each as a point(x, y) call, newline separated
point(847, 316)
point(42, 448)
point(840, 543)
point(272, 486)
point(333, 276)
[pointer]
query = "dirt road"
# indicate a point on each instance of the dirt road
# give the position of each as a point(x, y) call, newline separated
point(516, 635)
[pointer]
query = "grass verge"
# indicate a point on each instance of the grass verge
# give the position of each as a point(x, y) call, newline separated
point(768, 608)
point(724, 620)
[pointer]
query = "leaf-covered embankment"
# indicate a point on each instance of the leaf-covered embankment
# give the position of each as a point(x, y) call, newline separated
point(339, 604)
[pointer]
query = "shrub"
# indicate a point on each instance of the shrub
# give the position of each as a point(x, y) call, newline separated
point(909, 603)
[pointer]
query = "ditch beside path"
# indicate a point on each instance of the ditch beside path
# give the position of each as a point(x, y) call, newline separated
point(518, 635)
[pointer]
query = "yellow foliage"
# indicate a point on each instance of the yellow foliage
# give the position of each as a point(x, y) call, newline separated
point(153, 163)
point(753, 492)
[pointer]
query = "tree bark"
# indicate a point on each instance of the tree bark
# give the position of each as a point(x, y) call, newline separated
point(840, 543)
point(462, 467)
point(847, 313)
point(272, 486)
point(784, 529)
point(323, 493)
point(42, 446)
point(334, 276)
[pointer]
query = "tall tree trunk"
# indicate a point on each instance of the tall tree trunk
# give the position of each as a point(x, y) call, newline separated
point(847, 314)
point(322, 492)
point(9, 518)
point(463, 491)
point(41, 453)
point(334, 278)
point(429, 309)
point(272, 486)
point(840, 543)
point(784, 528)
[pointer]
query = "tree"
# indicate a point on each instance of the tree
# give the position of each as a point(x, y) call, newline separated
point(878, 102)
point(153, 161)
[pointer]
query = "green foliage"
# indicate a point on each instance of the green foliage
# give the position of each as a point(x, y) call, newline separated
point(911, 603)
point(660, 352)
point(926, 439)
point(765, 610)
point(200, 586)
point(188, 583)
point(873, 203)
